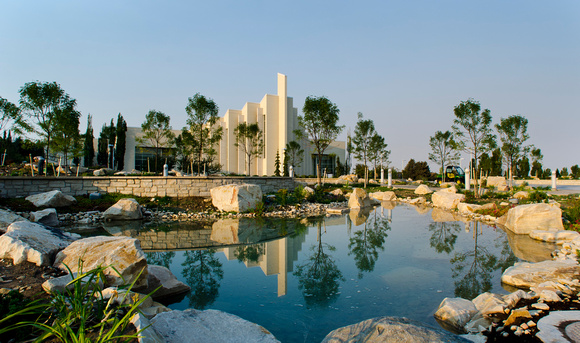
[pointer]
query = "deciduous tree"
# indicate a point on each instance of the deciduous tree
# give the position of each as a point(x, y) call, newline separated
point(472, 132)
point(378, 152)
point(295, 154)
point(320, 124)
point(157, 131)
point(249, 139)
point(11, 118)
point(513, 133)
point(67, 138)
point(43, 102)
point(202, 115)
point(363, 133)
point(442, 150)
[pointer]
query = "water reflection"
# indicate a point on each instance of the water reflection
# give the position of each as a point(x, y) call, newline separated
point(319, 277)
point(160, 258)
point(443, 236)
point(366, 243)
point(203, 273)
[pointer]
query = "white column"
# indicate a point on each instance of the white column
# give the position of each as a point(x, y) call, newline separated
point(390, 178)
point(554, 180)
point(467, 180)
point(382, 175)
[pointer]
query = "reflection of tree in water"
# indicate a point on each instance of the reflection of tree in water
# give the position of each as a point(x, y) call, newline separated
point(473, 269)
point(319, 277)
point(366, 242)
point(160, 258)
point(444, 235)
point(202, 272)
point(249, 253)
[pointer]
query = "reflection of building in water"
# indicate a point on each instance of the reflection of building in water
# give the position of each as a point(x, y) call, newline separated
point(277, 257)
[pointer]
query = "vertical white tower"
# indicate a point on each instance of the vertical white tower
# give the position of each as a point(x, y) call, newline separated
point(282, 113)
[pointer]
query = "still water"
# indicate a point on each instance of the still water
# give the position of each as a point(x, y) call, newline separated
point(302, 279)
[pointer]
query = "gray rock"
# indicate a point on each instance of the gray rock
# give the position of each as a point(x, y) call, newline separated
point(559, 326)
point(124, 209)
point(526, 275)
point(161, 276)
point(32, 242)
point(124, 254)
point(51, 199)
point(7, 218)
point(48, 217)
point(103, 172)
point(147, 334)
point(455, 312)
point(208, 326)
point(391, 329)
point(60, 284)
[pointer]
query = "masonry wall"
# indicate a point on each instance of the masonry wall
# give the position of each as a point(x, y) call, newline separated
point(12, 187)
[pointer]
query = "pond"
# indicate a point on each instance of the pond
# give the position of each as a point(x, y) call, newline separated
point(301, 279)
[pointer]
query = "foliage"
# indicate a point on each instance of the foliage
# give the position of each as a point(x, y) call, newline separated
point(81, 313)
point(378, 152)
point(18, 149)
point(363, 133)
point(203, 272)
point(249, 138)
point(513, 133)
point(66, 136)
point(44, 103)
point(572, 216)
point(103, 145)
point(537, 157)
point(537, 196)
point(523, 167)
point(472, 131)
point(202, 114)
point(88, 144)
point(575, 171)
point(11, 118)
point(442, 150)
point(416, 170)
point(156, 131)
point(11, 303)
point(366, 243)
point(443, 236)
point(320, 123)
point(121, 142)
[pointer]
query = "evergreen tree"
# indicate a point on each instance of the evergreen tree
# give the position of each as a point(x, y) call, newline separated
point(575, 171)
point(524, 167)
point(286, 171)
point(496, 165)
point(277, 164)
point(103, 146)
point(121, 142)
point(89, 147)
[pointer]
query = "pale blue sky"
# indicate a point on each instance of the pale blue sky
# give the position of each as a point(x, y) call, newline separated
point(404, 64)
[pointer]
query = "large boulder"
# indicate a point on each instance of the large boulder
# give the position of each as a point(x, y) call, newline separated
point(446, 200)
point(554, 236)
point(558, 326)
point(384, 196)
point(498, 182)
point(455, 313)
point(467, 208)
point(32, 242)
point(352, 178)
point(208, 326)
point(124, 209)
point(524, 219)
point(391, 329)
point(359, 199)
point(238, 198)
point(47, 217)
point(7, 218)
point(103, 172)
point(159, 276)
point(51, 199)
point(526, 275)
point(124, 254)
point(422, 190)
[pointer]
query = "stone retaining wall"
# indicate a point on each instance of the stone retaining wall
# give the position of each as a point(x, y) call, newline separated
point(12, 187)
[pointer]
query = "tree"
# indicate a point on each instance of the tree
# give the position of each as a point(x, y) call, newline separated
point(472, 130)
point(103, 145)
point(43, 102)
point(294, 153)
point(442, 150)
point(564, 172)
point(537, 162)
point(157, 131)
point(575, 171)
point(349, 150)
point(366, 243)
point(320, 123)
point(249, 139)
point(496, 162)
point(363, 133)
point(202, 115)
point(183, 151)
point(89, 148)
point(513, 133)
point(11, 118)
point(121, 142)
point(285, 165)
point(378, 152)
point(416, 170)
point(67, 138)
point(277, 164)
point(524, 167)
point(112, 139)
point(203, 272)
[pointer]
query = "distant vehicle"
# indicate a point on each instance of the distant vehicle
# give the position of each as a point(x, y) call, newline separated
point(454, 174)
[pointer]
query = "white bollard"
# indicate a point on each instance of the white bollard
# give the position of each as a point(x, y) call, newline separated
point(291, 171)
point(390, 178)
point(165, 170)
point(467, 180)
point(382, 176)
point(553, 180)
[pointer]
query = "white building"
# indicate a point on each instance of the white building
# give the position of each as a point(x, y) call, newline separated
point(277, 118)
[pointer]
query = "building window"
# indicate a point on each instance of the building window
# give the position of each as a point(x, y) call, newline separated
point(145, 159)
point(327, 166)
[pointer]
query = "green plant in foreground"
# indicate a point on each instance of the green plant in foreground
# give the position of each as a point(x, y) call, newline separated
point(81, 313)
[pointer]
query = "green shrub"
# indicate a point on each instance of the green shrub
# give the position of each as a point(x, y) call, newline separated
point(538, 196)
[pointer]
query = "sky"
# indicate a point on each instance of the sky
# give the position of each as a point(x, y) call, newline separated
point(403, 64)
